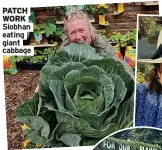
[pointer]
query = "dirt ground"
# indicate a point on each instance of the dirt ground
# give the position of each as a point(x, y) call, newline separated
point(18, 88)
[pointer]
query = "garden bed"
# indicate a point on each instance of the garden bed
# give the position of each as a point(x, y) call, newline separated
point(18, 88)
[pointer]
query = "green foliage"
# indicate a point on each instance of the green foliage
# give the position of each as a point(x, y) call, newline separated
point(40, 56)
point(49, 28)
point(124, 39)
point(103, 32)
point(102, 9)
point(53, 30)
point(39, 29)
point(83, 97)
point(149, 26)
point(59, 31)
point(115, 37)
point(154, 32)
point(131, 37)
point(90, 9)
point(144, 72)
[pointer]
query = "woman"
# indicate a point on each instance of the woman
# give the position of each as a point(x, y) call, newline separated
point(149, 95)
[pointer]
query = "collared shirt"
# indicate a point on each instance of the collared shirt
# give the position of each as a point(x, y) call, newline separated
point(148, 107)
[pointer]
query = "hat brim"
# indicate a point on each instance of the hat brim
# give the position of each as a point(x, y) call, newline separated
point(159, 39)
point(152, 61)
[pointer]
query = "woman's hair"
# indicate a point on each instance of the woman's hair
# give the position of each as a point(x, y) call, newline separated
point(154, 85)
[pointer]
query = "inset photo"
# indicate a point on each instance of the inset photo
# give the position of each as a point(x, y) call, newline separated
point(142, 138)
point(149, 72)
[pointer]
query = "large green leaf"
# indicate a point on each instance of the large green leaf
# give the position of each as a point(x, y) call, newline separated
point(108, 90)
point(36, 138)
point(124, 117)
point(70, 139)
point(81, 51)
point(119, 90)
point(75, 77)
point(49, 28)
point(36, 123)
point(97, 120)
point(56, 87)
point(29, 108)
point(74, 52)
point(49, 116)
point(82, 126)
point(69, 104)
point(62, 71)
point(44, 91)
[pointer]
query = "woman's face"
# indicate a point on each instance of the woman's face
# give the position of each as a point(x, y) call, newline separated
point(78, 30)
point(159, 71)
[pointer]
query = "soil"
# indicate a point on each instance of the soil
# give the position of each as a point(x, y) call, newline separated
point(18, 89)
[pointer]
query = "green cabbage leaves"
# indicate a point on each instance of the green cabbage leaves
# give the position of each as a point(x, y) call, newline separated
point(83, 97)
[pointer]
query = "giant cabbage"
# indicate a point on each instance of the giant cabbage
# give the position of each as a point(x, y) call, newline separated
point(83, 96)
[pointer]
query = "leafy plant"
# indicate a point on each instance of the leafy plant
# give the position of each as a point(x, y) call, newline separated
point(9, 65)
point(39, 29)
point(40, 56)
point(49, 28)
point(115, 37)
point(90, 9)
point(59, 31)
point(102, 9)
point(124, 39)
point(144, 72)
point(52, 30)
point(154, 32)
point(131, 37)
point(83, 96)
point(149, 26)
point(102, 32)
point(119, 38)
